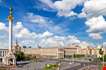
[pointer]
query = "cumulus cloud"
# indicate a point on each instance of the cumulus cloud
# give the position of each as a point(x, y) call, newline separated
point(49, 3)
point(104, 44)
point(82, 15)
point(94, 11)
point(45, 23)
point(2, 26)
point(47, 34)
point(67, 13)
point(50, 42)
point(95, 35)
point(59, 41)
point(45, 39)
point(95, 7)
point(35, 18)
point(65, 7)
point(96, 24)
point(84, 44)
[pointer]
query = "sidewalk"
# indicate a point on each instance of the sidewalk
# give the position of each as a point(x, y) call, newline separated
point(90, 67)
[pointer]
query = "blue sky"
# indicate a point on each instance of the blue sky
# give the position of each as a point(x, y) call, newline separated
point(62, 18)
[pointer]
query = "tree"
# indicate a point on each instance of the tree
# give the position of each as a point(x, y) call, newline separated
point(101, 51)
point(19, 56)
point(24, 47)
point(30, 46)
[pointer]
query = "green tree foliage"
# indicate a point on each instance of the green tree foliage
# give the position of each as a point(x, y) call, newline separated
point(20, 56)
point(78, 55)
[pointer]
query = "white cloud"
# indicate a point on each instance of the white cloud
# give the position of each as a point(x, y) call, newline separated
point(95, 7)
point(47, 34)
point(82, 14)
point(67, 13)
point(2, 26)
point(21, 32)
point(50, 42)
point(65, 7)
point(72, 39)
point(18, 25)
point(96, 24)
point(84, 44)
point(3, 35)
point(59, 41)
point(95, 36)
point(45, 23)
point(35, 18)
point(49, 3)
point(95, 10)
point(45, 39)
point(67, 4)
point(104, 44)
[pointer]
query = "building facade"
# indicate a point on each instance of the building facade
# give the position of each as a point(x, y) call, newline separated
point(53, 52)
point(45, 52)
point(3, 52)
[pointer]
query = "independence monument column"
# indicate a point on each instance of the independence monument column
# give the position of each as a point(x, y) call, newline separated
point(10, 59)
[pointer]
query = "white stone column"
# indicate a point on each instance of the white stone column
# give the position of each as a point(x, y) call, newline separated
point(10, 35)
point(1, 53)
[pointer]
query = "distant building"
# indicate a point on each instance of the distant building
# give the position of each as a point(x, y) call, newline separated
point(75, 49)
point(53, 52)
point(71, 50)
point(3, 52)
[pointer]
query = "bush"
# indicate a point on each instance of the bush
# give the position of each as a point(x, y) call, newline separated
point(78, 55)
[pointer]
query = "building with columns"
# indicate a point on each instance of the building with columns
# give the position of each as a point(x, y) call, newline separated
point(3, 53)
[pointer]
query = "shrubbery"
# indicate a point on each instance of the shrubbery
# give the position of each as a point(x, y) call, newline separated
point(50, 67)
point(75, 56)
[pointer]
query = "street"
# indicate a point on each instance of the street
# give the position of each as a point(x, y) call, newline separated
point(64, 65)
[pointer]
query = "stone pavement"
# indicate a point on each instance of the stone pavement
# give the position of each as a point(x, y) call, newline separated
point(5, 67)
point(90, 67)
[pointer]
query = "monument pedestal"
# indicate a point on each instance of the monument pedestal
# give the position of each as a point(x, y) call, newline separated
point(9, 59)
